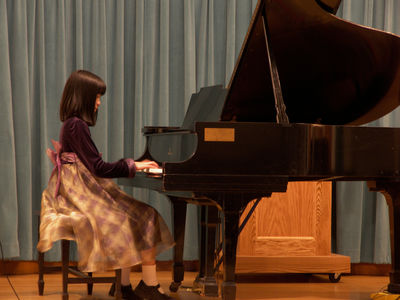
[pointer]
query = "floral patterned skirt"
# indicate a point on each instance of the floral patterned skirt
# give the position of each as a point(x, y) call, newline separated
point(110, 227)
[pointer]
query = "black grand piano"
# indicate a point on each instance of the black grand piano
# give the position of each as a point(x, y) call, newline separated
point(303, 82)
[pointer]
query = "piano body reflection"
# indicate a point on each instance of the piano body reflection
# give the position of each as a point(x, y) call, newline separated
point(303, 82)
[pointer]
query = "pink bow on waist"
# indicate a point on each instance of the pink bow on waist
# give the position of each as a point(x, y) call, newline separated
point(56, 160)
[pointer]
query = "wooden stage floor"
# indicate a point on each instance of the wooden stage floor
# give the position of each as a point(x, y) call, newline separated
point(281, 287)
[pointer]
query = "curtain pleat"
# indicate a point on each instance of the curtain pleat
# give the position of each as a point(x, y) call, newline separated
point(230, 39)
point(129, 79)
point(202, 47)
point(164, 115)
point(8, 183)
point(138, 71)
point(152, 54)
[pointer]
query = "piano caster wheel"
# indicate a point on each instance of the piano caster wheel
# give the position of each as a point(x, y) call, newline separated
point(174, 286)
point(335, 277)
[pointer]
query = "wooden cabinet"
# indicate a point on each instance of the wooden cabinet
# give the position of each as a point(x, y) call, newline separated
point(291, 233)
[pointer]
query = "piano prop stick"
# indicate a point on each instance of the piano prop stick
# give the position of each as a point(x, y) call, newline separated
point(298, 62)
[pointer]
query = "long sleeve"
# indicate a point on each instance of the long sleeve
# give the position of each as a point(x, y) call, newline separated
point(75, 137)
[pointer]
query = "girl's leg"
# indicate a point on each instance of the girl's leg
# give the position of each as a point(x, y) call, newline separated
point(126, 287)
point(149, 272)
point(148, 264)
point(149, 284)
point(125, 273)
point(149, 287)
point(149, 256)
point(148, 269)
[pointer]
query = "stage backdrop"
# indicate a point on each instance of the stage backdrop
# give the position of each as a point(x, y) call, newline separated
point(153, 54)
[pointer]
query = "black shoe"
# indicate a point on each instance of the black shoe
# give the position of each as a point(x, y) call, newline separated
point(146, 292)
point(127, 292)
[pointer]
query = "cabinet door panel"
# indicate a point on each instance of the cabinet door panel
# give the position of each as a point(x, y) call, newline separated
point(297, 222)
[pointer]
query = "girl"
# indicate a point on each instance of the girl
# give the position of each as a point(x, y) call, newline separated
point(81, 203)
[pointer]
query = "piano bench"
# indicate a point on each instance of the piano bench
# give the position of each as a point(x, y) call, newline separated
point(79, 276)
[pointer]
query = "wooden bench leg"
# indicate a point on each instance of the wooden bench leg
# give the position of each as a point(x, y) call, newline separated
point(118, 294)
point(65, 266)
point(41, 271)
point(90, 285)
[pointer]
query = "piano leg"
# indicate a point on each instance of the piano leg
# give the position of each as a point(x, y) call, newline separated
point(232, 206)
point(199, 281)
point(179, 215)
point(210, 282)
point(391, 191)
point(231, 231)
point(206, 281)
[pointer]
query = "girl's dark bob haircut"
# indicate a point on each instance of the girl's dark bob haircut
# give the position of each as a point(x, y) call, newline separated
point(79, 96)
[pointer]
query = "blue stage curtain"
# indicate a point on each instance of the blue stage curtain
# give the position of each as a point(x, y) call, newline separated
point(153, 54)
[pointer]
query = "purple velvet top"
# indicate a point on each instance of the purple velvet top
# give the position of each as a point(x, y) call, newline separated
point(75, 137)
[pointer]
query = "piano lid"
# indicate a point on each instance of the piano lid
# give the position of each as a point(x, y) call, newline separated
point(331, 71)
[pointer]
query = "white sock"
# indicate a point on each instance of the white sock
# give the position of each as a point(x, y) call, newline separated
point(149, 276)
point(125, 272)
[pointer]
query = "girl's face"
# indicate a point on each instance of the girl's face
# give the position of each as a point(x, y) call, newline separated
point(97, 103)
